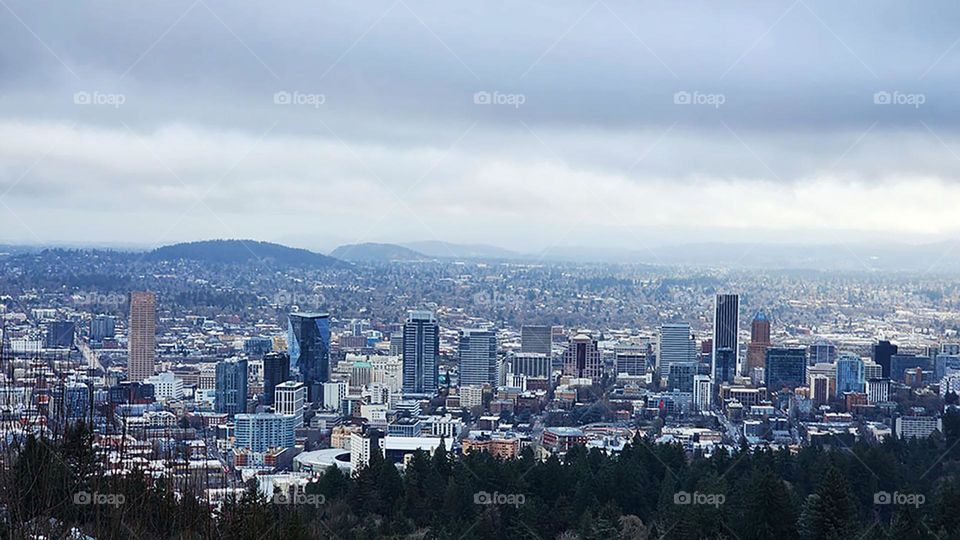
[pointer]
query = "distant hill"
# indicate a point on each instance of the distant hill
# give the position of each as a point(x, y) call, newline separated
point(373, 252)
point(447, 250)
point(239, 251)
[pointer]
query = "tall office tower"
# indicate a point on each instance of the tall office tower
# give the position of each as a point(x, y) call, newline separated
point(421, 354)
point(59, 335)
point(536, 339)
point(785, 368)
point(882, 352)
point(531, 364)
point(142, 338)
point(676, 347)
point(290, 398)
point(759, 342)
point(308, 343)
point(724, 365)
point(102, 327)
point(276, 369)
point(726, 322)
point(702, 392)
point(478, 357)
point(822, 352)
point(681, 377)
point(850, 374)
point(230, 394)
point(582, 359)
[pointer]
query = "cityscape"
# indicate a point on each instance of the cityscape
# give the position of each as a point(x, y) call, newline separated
point(290, 381)
point(513, 270)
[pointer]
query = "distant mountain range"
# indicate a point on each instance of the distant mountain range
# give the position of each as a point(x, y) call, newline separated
point(373, 252)
point(938, 257)
point(239, 251)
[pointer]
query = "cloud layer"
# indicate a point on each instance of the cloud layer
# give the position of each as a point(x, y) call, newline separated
point(521, 124)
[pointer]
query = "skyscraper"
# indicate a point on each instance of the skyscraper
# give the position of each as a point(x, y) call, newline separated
point(882, 352)
point(726, 322)
point(290, 398)
point(759, 342)
point(421, 353)
point(230, 394)
point(308, 344)
point(850, 374)
point(724, 365)
point(536, 339)
point(276, 369)
point(582, 359)
point(676, 346)
point(142, 339)
point(785, 368)
point(478, 357)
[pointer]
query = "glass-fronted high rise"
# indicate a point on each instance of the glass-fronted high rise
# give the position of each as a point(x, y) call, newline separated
point(230, 394)
point(421, 354)
point(308, 344)
point(276, 370)
point(785, 368)
point(726, 323)
point(850, 374)
point(478, 357)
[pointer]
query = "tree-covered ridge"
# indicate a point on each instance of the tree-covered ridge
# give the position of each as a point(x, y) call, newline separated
point(898, 489)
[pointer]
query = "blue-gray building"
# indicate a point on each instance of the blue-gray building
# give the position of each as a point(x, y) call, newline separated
point(850, 374)
point(421, 353)
point(59, 335)
point(256, 347)
point(785, 368)
point(308, 343)
point(260, 432)
point(478, 357)
point(230, 394)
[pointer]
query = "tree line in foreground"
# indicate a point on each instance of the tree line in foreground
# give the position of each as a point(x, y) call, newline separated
point(903, 489)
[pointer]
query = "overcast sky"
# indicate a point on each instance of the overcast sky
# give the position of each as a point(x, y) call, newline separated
point(520, 124)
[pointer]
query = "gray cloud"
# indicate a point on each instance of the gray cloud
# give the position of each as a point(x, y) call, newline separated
point(399, 149)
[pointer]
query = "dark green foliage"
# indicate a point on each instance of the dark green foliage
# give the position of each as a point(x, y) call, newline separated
point(647, 491)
